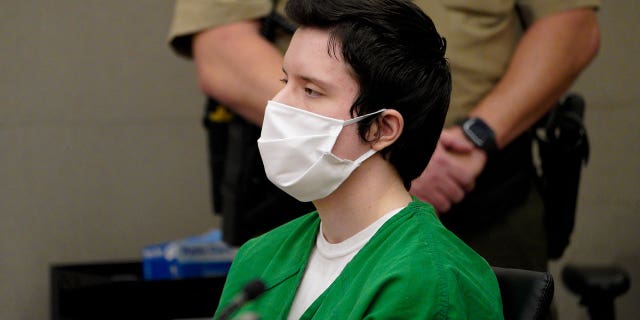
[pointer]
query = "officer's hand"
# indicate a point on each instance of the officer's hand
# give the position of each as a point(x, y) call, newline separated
point(452, 171)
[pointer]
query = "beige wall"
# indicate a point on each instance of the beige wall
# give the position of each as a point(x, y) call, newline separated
point(101, 151)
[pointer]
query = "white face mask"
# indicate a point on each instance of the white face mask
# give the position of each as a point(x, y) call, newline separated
point(295, 146)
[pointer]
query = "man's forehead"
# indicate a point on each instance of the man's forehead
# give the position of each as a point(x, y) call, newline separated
point(309, 57)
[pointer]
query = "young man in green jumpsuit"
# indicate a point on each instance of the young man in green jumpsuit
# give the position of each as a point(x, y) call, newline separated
point(365, 93)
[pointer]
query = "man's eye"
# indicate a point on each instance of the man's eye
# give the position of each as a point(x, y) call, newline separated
point(311, 92)
point(283, 80)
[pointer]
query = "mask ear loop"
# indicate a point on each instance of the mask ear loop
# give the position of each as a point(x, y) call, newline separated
point(357, 119)
point(364, 157)
point(370, 152)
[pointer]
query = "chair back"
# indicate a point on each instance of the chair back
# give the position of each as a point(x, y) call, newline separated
point(525, 294)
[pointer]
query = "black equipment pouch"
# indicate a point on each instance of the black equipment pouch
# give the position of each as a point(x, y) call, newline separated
point(248, 202)
point(563, 148)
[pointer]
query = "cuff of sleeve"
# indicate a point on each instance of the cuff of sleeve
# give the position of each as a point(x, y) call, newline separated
point(193, 16)
point(534, 10)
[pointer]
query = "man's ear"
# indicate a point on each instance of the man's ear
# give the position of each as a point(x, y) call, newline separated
point(386, 129)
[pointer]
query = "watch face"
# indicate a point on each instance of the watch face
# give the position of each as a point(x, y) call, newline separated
point(479, 133)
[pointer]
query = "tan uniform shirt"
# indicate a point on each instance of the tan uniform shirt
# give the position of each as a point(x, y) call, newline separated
point(481, 35)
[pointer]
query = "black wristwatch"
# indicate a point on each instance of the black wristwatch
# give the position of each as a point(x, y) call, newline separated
point(479, 133)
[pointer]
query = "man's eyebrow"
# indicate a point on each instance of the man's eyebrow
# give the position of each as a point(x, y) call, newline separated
point(321, 83)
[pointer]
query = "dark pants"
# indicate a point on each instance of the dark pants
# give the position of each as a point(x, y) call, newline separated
point(516, 239)
point(502, 219)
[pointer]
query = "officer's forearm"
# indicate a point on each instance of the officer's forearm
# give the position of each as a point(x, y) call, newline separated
point(549, 57)
point(238, 67)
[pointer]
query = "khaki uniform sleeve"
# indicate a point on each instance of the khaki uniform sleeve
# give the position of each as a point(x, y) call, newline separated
point(533, 10)
point(193, 16)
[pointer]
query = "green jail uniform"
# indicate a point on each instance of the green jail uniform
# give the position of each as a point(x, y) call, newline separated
point(412, 268)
